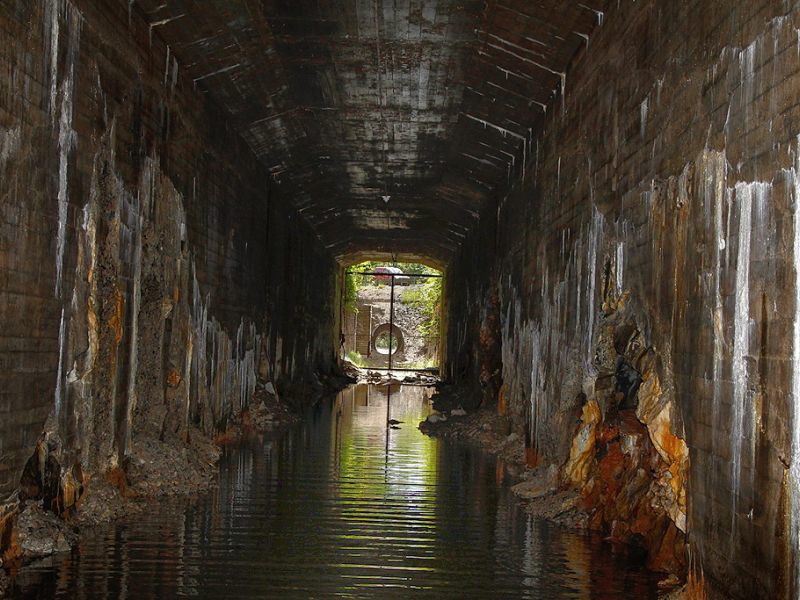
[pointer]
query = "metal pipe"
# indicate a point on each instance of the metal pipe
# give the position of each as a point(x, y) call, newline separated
point(393, 275)
point(389, 387)
point(425, 370)
point(388, 416)
point(391, 324)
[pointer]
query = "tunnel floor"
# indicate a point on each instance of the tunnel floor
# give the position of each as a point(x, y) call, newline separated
point(332, 508)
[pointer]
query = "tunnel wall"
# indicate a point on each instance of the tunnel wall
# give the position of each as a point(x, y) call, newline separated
point(471, 316)
point(150, 272)
point(658, 225)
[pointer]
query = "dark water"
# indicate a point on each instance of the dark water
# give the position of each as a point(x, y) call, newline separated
point(332, 509)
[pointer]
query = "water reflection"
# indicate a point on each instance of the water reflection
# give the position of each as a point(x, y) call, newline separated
point(343, 507)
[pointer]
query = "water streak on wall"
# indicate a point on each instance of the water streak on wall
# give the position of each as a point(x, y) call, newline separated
point(664, 194)
point(170, 244)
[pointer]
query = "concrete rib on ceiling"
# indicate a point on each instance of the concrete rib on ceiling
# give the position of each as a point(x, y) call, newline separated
point(431, 102)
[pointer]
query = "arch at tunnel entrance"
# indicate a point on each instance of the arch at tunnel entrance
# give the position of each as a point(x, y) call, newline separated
point(409, 310)
point(619, 223)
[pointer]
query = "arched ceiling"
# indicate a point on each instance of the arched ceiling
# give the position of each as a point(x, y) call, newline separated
point(430, 102)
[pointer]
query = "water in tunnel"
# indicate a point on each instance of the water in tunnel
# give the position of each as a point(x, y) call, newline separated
point(594, 205)
point(328, 510)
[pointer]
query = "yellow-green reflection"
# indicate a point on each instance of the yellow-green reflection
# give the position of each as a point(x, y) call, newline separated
point(336, 509)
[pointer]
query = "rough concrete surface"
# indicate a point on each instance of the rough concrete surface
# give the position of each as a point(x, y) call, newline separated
point(612, 190)
point(655, 233)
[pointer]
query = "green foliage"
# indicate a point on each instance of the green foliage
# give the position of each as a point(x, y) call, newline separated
point(427, 298)
point(355, 282)
point(428, 363)
point(407, 268)
point(426, 295)
point(351, 286)
point(382, 343)
point(415, 269)
point(356, 358)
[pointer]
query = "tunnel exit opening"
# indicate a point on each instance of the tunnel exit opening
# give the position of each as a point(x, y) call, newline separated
point(391, 316)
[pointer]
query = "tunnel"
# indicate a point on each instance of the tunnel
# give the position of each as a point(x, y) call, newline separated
point(610, 190)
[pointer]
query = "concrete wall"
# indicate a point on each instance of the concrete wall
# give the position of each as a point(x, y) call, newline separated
point(373, 314)
point(149, 269)
point(657, 227)
point(471, 313)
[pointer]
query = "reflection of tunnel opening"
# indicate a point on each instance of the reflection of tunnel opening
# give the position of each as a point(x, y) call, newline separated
point(380, 339)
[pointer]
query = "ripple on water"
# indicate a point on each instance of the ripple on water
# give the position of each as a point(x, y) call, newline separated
point(335, 509)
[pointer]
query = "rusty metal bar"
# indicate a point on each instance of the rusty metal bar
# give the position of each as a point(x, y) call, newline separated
point(407, 369)
point(391, 324)
point(393, 275)
point(388, 417)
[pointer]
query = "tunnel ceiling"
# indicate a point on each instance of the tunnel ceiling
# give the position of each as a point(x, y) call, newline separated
point(431, 102)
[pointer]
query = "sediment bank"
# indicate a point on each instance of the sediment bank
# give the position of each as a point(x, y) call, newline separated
point(616, 501)
point(33, 524)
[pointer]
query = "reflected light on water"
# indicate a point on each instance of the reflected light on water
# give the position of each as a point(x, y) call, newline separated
point(343, 506)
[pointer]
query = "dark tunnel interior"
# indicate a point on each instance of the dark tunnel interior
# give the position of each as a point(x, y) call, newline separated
point(599, 204)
